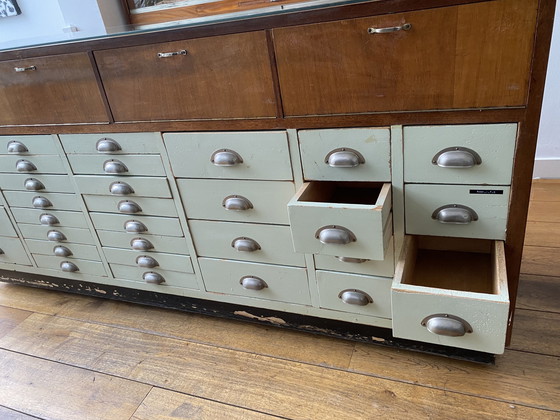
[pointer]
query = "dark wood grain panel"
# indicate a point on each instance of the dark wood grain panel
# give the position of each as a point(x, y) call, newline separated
point(219, 77)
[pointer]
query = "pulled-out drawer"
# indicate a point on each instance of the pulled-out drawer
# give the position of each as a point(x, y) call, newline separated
point(67, 250)
point(6, 227)
point(351, 154)
point(70, 266)
point(43, 200)
point(147, 225)
point(44, 164)
point(37, 182)
point(469, 211)
point(129, 187)
point(261, 281)
point(171, 262)
point(130, 165)
point(12, 252)
point(452, 292)
point(154, 276)
point(28, 145)
point(143, 243)
point(57, 234)
point(51, 217)
point(342, 219)
point(134, 205)
point(464, 154)
point(111, 143)
point(236, 201)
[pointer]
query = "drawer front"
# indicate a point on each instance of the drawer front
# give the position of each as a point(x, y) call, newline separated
point(354, 293)
point(130, 165)
point(61, 218)
point(170, 278)
point(94, 268)
point(111, 143)
point(197, 85)
point(58, 234)
point(40, 200)
point(489, 203)
point(166, 244)
point(36, 182)
point(355, 154)
point(6, 227)
point(147, 206)
point(124, 187)
point(165, 226)
point(234, 155)
point(43, 164)
point(383, 268)
point(236, 201)
point(285, 284)
point(168, 262)
point(243, 241)
point(469, 154)
point(80, 251)
point(13, 252)
point(32, 145)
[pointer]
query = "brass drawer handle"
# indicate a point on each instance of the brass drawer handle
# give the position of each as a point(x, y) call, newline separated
point(355, 297)
point(61, 251)
point(23, 165)
point(55, 236)
point(171, 54)
point(135, 226)
point(146, 261)
point(107, 145)
point(253, 283)
point(457, 158)
point(141, 244)
point(41, 202)
point(126, 206)
point(455, 214)
point(448, 325)
point(32, 184)
point(226, 157)
point(153, 278)
point(237, 203)
point(114, 167)
point(352, 260)
point(337, 235)
point(22, 69)
point(17, 147)
point(244, 244)
point(404, 27)
point(69, 267)
point(120, 188)
point(344, 157)
point(48, 219)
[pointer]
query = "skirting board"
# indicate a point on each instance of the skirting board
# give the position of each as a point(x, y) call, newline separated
point(547, 168)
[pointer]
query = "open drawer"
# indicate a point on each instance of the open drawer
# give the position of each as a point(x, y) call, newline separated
point(345, 219)
point(452, 292)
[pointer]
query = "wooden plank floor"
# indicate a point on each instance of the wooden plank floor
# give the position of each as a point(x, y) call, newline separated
point(72, 357)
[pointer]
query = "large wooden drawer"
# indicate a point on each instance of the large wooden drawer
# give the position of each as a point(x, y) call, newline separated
point(219, 77)
point(469, 56)
point(28, 145)
point(59, 89)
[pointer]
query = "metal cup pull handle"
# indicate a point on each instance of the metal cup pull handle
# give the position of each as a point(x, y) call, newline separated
point(244, 244)
point(48, 219)
point(344, 157)
point(352, 260)
point(153, 278)
point(171, 54)
point(355, 297)
point(55, 236)
point(253, 283)
point(456, 214)
point(120, 188)
point(107, 145)
point(135, 226)
point(226, 157)
point(41, 202)
point(337, 235)
point(24, 69)
point(141, 244)
point(389, 29)
point(61, 251)
point(236, 203)
point(448, 325)
point(32, 184)
point(69, 267)
point(126, 206)
point(146, 261)
point(17, 147)
point(23, 165)
point(456, 158)
point(114, 167)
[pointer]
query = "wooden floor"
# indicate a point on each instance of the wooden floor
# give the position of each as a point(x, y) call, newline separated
point(69, 357)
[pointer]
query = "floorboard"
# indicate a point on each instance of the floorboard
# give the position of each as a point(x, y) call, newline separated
point(539, 293)
point(536, 332)
point(540, 260)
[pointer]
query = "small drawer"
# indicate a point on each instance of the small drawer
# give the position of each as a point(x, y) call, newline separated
point(28, 145)
point(261, 281)
point(236, 201)
point(67, 250)
point(111, 143)
point(466, 154)
point(57, 234)
point(129, 187)
point(452, 292)
point(342, 219)
point(129, 165)
point(41, 164)
point(13, 252)
point(234, 155)
point(355, 293)
point(171, 262)
point(383, 268)
point(6, 226)
point(468, 211)
point(70, 266)
point(355, 154)
point(165, 226)
point(154, 276)
point(38, 183)
point(132, 206)
point(51, 217)
point(244, 241)
point(143, 243)
point(46, 201)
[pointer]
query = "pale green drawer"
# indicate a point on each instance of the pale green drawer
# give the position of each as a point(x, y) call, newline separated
point(23, 145)
point(165, 226)
point(168, 244)
point(244, 241)
point(365, 295)
point(111, 143)
point(40, 164)
point(342, 219)
point(40, 200)
point(127, 165)
point(170, 278)
point(489, 203)
point(260, 155)
point(94, 268)
point(350, 154)
point(6, 226)
point(444, 154)
point(284, 284)
point(28, 182)
point(81, 236)
point(64, 218)
point(148, 206)
point(236, 201)
point(13, 252)
point(171, 262)
point(80, 251)
point(383, 268)
point(129, 187)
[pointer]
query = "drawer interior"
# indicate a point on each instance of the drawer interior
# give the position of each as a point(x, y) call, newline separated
point(364, 193)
